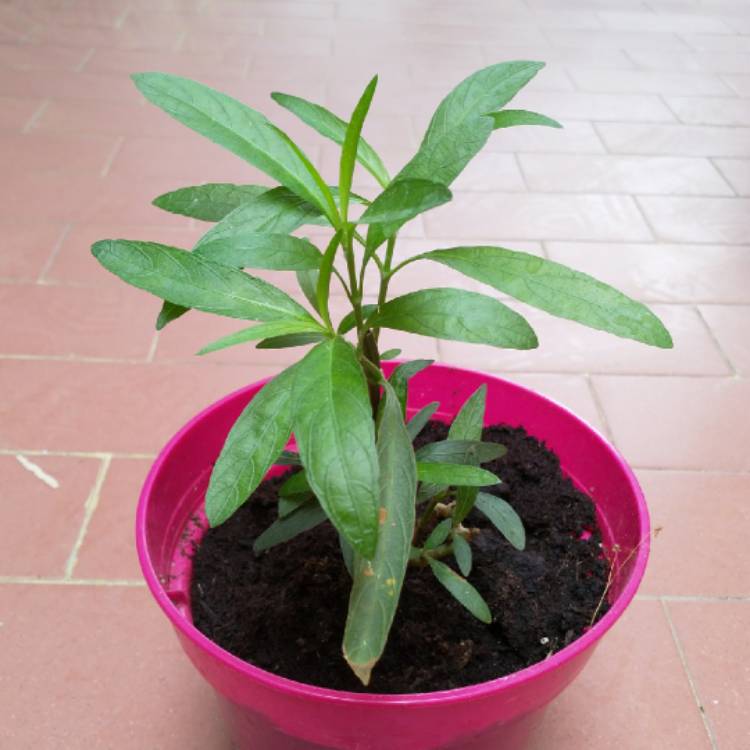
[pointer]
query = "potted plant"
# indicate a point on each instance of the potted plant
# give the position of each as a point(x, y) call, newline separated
point(404, 498)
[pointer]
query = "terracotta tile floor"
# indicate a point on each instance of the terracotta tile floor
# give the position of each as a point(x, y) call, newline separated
point(646, 187)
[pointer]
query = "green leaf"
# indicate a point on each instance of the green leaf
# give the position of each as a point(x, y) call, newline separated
point(290, 340)
point(251, 448)
point(390, 354)
point(351, 146)
point(323, 290)
point(470, 452)
point(336, 439)
point(211, 202)
point(377, 584)
point(288, 505)
point(306, 517)
point(347, 554)
point(261, 331)
point(438, 535)
point(508, 118)
point(419, 421)
point(235, 126)
point(461, 590)
point(401, 376)
point(503, 517)
point(308, 283)
point(187, 279)
point(276, 211)
point(349, 321)
point(276, 252)
point(458, 315)
point(460, 128)
point(455, 474)
point(403, 201)
point(296, 484)
point(557, 289)
point(463, 554)
point(333, 127)
point(468, 425)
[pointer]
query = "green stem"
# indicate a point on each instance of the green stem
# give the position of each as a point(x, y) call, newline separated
point(385, 277)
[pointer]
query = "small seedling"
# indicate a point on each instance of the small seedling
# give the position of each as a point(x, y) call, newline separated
point(391, 506)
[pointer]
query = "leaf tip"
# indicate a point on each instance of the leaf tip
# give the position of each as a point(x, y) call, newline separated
point(363, 671)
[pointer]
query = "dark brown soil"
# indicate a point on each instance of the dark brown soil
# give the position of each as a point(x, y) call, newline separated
point(285, 610)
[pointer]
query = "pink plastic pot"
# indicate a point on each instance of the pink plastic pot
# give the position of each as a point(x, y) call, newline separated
point(267, 712)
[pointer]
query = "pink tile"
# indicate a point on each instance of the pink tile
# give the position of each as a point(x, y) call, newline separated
point(109, 673)
point(98, 322)
point(714, 636)
point(638, 686)
point(740, 84)
point(108, 549)
point(575, 137)
point(74, 263)
point(648, 82)
point(538, 216)
point(737, 173)
point(38, 152)
point(565, 346)
point(729, 325)
point(618, 40)
point(491, 171)
point(696, 110)
point(697, 553)
point(41, 522)
point(673, 22)
point(38, 57)
point(678, 422)
point(67, 84)
point(126, 62)
point(663, 272)
point(577, 173)
point(718, 42)
point(16, 112)
point(26, 249)
point(720, 220)
point(120, 408)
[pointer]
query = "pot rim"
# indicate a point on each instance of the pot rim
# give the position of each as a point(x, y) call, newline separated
point(470, 692)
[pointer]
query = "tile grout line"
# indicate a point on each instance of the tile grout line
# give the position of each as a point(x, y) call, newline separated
point(717, 344)
point(102, 582)
point(729, 599)
point(120, 20)
point(689, 676)
point(53, 255)
point(152, 348)
point(600, 409)
point(89, 507)
point(38, 112)
point(720, 172)
point(100, 455)
point(86, 58)
point(112, 156)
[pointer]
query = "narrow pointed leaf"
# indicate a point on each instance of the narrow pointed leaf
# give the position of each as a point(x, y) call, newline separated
point(405, 200)
point(461, 590)
point(389, 354)
point(438, 535)
point(336, 440)
point(296, 484)
point(350, 146)
point(469, 452)
point(455, 474)
point(276, 252)
point(287, 458)
point(468, 425)
point(419, 421)
point(557, 289)
point(233, 125)
point(377, 584)
point(401, 376)
point(251, 448)
point(292, 503)
point(508, 118)
point(187, 279)
point(323, 289)
point(503, 517)
point(349, 321)
point(261, 331)
point(463, 554)
point(275, 211)
point(290, 340)
point(457, 315)
point(306, 517)
point(210, 202)
point(308, 283)
point(347, 554)
point(333, 127)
